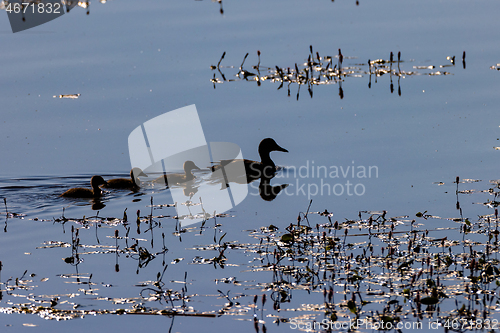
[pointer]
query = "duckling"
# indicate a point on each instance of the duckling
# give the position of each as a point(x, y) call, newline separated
point(80, 192)
point(179, 178)
point(124, 183)
point(255, 170)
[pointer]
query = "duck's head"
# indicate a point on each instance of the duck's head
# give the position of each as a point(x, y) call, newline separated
point(96, 181)
point(268, 145)
point(189, 166)
point(136, 172)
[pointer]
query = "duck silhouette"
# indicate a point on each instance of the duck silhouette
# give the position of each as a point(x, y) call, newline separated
point(124, 183)
point(254, 169)
point(80, 192)
point(178, 178)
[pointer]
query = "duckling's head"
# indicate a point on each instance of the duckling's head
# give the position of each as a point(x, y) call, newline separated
point(189, 166)
point(136, 172)
point(268, 145)
point(95, 181)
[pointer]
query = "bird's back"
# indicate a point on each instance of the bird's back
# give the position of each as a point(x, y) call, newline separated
point(120, 183)
point(79, 192)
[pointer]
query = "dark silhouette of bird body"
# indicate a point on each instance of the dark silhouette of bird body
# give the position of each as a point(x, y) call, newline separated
point(131, 183)
point(254, 169)
point(179, 178)
point(80, 192)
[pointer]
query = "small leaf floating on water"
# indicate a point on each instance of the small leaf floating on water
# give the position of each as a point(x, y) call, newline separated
point(272, 227)
point(420, 214)
point(429, 300)
point(352, 306)
point(70, 96)
point(287, 238)
point(69, 260)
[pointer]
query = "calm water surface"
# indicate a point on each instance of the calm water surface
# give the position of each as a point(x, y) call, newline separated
point(131, 62)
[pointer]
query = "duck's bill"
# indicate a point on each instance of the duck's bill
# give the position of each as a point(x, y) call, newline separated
point(282, 149)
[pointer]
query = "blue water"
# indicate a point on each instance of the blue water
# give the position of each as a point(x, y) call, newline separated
point(134, 61)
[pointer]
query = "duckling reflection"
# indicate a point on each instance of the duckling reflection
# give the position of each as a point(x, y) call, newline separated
point(253, 169)
point(80, 192)
point(178, 178)
point(126, 184)
point(268, 192)
point(97, 204)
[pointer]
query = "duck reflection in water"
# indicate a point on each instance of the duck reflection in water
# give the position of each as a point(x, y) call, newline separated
point(97, 204)
point(243, 171)
point(267, 191)
point(132, 183)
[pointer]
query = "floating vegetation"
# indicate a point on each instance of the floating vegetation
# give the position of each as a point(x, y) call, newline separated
point(373, 271)
point(326, 70)
point(70, 96)
point(221, 10)
point(56, 314)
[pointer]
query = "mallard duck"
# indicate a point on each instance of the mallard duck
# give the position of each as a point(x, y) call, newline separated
point(124, 183)
point(80, 192)
point(179, 178)
point(254, 170)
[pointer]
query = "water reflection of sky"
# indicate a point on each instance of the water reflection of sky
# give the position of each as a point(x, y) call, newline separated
point(131, 62)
